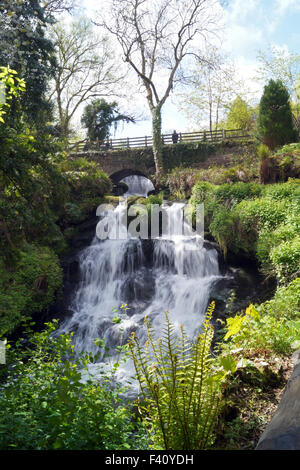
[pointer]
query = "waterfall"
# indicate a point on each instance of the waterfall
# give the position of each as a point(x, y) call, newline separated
point(149, 276)
point(138, 185)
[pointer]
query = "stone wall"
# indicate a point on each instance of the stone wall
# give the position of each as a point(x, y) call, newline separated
point(141, 159)
point(115, 160)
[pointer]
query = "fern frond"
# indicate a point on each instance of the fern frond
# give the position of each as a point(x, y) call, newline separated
point(183, 390)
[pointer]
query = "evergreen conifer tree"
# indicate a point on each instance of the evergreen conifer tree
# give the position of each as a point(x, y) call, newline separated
point(275, 120)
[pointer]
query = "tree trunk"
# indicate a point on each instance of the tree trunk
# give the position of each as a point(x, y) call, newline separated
point(210, 116)
point(157, 140)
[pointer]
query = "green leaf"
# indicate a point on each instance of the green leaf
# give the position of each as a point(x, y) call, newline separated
point(228, 363)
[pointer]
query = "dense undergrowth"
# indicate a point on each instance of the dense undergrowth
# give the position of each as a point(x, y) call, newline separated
point(30, 272)
point(243, 167)
point(45, 405)
point(260, 221)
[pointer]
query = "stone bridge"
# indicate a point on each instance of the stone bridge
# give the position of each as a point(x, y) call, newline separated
point(119, 164)
point(139, 161)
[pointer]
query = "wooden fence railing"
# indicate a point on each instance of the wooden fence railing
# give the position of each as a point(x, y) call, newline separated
point(146, 141)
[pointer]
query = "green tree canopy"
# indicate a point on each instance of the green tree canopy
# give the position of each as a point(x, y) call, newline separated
point(26, 49)
point(99, 116)
point(275, 120)
point(240, 115)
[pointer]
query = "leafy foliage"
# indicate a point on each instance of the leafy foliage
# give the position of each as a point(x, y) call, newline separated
point(28, 287)
point(25, 47)
point(45, 404)
point(41, 191)
point(30, 183)
point(240, 115)
point(180, 385)
point(263, 151)
point(285, 303)
point(262, 221)
point(258, 328)
point(99, 116)
point(11, 86)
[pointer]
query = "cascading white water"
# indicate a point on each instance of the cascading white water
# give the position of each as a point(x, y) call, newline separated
point(171, 276)
point(137, 185)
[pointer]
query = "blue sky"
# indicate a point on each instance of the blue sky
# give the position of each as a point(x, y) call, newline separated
point(250, 25)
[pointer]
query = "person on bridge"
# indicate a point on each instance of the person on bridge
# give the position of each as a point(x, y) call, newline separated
point(175, 137)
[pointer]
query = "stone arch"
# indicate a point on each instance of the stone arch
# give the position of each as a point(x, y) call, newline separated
point(119, 188)
point(117, 176)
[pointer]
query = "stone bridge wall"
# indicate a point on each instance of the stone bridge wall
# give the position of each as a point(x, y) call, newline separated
point(141, 159)
point(113, 161)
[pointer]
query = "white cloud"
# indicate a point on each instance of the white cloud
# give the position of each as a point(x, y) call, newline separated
point(283, 5)
point(244, 26)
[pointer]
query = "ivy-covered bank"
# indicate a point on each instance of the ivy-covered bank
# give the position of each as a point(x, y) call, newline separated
point(30, 271)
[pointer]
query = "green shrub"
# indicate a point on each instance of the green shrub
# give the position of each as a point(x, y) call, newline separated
point(239, 228)
point(29, 286)
point(289, 190)
point(235, 193)
point(286, 259)
point(202, 191)
point(181, 180)
point(285, 303)
point(253, 331)
point(87, 184)
point(231, 174)
point(275, 119)
point(261, 213)
point(268, 240)
point(222, 229)
point(45, 405)
point(259, 220)
point(154, 199)
point(289, 148)
point(73, 212)
point(263, 151)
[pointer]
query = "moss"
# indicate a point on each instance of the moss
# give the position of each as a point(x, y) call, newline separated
point(108, 199)
point(29, 286)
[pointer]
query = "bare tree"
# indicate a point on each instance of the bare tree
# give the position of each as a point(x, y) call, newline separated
point(157, 38)
point(58, 6)
point(212, 86)
point(281, 64)
point(86, 69)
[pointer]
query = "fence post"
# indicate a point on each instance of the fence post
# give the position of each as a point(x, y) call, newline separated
point(180, 137)
point(146, 144)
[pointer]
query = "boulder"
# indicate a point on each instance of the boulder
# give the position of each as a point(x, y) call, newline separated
point(283, 432)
